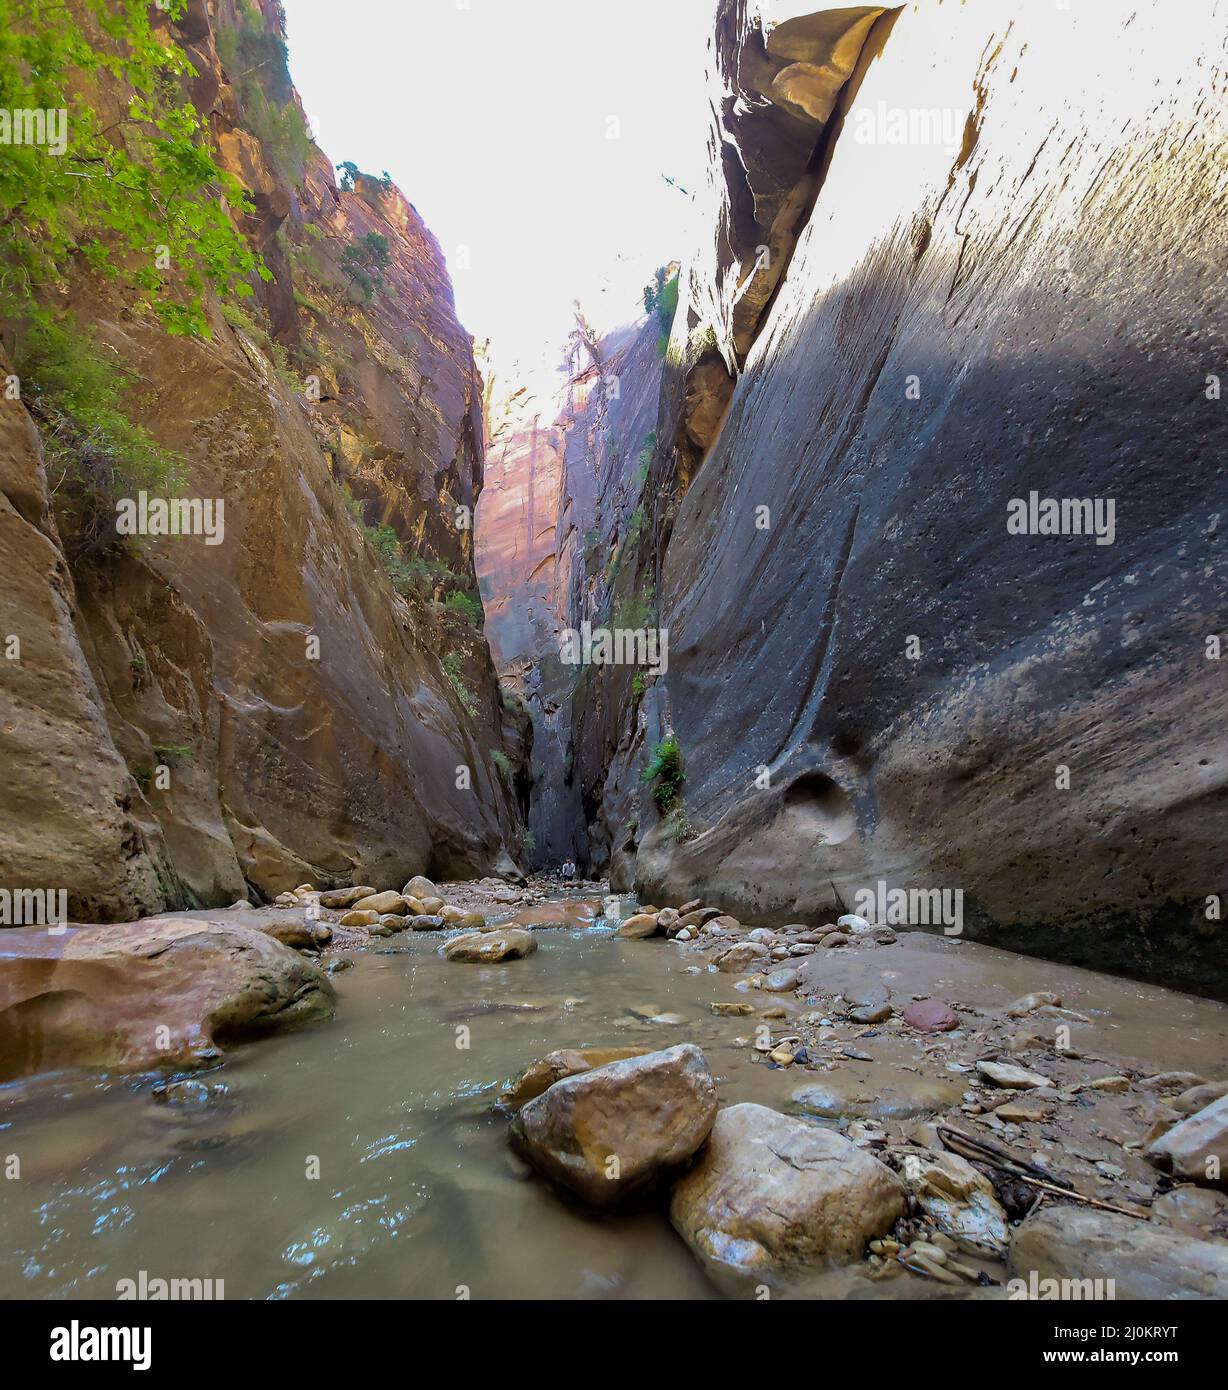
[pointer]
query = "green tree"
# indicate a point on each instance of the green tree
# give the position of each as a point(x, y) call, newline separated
point(139, 197)
point(364, 262)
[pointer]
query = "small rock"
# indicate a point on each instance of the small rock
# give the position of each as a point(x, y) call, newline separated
point(1197, 1147)
point(420, 887)
point(741, 957)
point(871, 1013)
point(1115, 1084)
point(1030, 1002)
point(724, 1010)
point(835, 938)
point(1171, 1081)
point(382, 903)
point(428, 922)
point(638, 928)
point(853, 924)
point(931, 1016)
point(345, 897)
point(488, 947)
point(1010, 1077)
point(1199, 1097)
point(360, 919)
point(781, 981)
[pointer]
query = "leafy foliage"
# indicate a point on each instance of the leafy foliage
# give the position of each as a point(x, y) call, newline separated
point(140, 198)
point(661, 299)
point(465, 607)
point(256, 61)
point(664, 771)
point(364, 262)
point(76, 393)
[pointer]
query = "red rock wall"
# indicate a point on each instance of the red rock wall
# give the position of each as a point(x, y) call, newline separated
point(283, 767)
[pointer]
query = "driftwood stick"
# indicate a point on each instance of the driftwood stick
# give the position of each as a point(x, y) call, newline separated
point(1026, 1172)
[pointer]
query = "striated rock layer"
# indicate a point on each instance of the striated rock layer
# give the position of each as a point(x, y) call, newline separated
point(290, 680)
point(1000, 271)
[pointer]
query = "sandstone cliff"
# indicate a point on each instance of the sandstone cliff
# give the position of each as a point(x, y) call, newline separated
point(932, 288)
point(188, 724)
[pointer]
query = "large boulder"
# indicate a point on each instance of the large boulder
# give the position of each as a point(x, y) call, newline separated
point(614, 1131)
point(1196, 1148)
point(488, 947)
point(163, 992)
point(639, 927)
point(539, 1076)
point(1143, 1260)
point(772, 1197)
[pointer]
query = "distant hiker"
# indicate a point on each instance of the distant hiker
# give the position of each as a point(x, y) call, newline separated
point(569, 869)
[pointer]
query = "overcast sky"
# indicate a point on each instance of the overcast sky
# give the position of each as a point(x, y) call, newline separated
point(493, 116)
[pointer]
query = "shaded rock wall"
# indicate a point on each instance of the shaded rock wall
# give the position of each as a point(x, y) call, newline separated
point(296, 694)
point(1024, 304)
point(993, 264)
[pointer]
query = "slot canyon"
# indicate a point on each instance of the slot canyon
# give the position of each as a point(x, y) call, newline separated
point(653, 729)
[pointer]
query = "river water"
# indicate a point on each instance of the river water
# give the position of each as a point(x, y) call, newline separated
point(362, 1158)
point(416, 1196)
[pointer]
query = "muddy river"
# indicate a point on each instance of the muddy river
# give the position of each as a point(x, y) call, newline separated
point(362, 1158)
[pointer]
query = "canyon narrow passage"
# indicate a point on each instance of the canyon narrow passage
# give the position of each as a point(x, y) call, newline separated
point(631, 706)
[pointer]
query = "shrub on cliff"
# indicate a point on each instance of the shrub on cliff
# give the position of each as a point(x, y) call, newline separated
point(464, 607)
point(95, 453)
point(661, 299)
point(664, 772)
point(364, 262)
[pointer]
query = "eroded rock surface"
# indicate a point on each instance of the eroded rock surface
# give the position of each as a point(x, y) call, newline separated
point(613, 1131)
point(160, 993)
point(772, 1197)
point(298, 699)
point(1144, 1260)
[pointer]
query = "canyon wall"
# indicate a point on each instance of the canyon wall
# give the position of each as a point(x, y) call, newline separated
point(190, 723)
point(957, 255)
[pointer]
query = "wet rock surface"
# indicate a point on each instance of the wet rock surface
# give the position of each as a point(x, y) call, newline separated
point(772, 1196)
point(1144, 1260)
point(157, 994)
point(616, 1130)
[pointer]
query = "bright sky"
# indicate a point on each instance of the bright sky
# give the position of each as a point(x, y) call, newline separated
point(494, 118)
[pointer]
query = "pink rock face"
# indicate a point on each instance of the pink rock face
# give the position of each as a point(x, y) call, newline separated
point(931, 1016)
point(165, 992)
